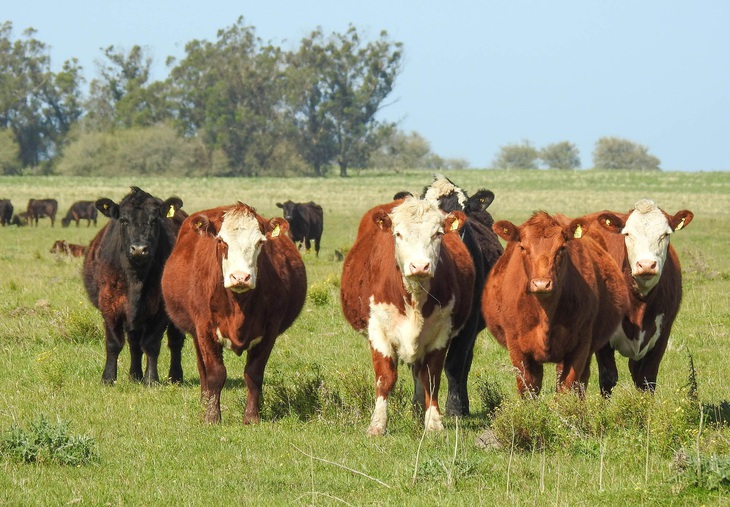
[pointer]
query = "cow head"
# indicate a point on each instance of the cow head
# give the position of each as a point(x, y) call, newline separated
point(240, 237)
point(139, 217)
point(646, 230)
point(289, 208)
point(417, 226)
point(541, 242)
point(453, 198)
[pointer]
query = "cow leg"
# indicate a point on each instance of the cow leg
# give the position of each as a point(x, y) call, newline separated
point(573, 369)
point(529, 373)
point(386, 374)
point(458, 363)
point(607, 371)
point(316, 246)
point(114, 342)
point(175, 340)
point(212, 374)
point(644, 372)
point(430, 376)
point(135, 351)
point(253, 374)
point(150, 345)
point(307, 244)
point(419, 394)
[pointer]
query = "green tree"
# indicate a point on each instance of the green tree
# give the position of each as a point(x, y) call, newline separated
point(516, 156)
point(37, 105)
point(618, 153)
point(9, 153)
point(346, 86)
point(230, 93)
point(563, 155)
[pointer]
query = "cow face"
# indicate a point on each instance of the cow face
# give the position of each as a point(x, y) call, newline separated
point(289, 208)
point(139, 218)
point(418, 227)
point(239, 242)
point(542, 243)
point(646, 231)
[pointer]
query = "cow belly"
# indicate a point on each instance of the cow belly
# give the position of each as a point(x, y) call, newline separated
point(408, 336)
point(637, 348)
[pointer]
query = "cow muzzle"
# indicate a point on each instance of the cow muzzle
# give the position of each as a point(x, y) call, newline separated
point(240, 282)
point(646, 269)
point(541, 286)
point(139, 253)
point(419, 270)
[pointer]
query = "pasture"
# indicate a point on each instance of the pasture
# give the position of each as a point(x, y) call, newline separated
point(311, 448)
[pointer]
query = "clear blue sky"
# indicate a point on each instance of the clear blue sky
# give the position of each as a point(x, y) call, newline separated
point(477, 74)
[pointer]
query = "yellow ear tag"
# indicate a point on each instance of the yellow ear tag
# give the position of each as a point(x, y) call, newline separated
point(455, 224)
point(275, 232)
point(608, 222)
point(578, 232)
point(171, 212)
point(106, 206)
point(681, 224)
point(199, 224)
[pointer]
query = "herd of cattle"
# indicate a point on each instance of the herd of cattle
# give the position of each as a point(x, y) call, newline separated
point(425, 275)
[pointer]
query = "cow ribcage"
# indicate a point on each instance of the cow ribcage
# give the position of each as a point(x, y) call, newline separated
point(409, 336)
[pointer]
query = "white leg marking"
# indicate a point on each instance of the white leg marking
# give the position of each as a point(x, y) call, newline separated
point(432, 419)
point(380, 417)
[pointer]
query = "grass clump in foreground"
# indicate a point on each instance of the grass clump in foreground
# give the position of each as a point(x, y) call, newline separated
point(45, 442)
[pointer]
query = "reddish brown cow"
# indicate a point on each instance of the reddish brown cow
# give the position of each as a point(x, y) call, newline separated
point(39, 208)
point(408, 282)
point(234, 280)
point(555, 296)
point(62, 246)
point(639, 243)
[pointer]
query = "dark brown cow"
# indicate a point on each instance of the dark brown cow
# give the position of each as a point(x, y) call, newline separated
point(81, 210)
point(408, 282)
point(40, 208)
point(639, 243)
point(122, 273)
point(306, 221)
point(62, 246)
point(6, 212)
point(555, 296)
point(233, 280)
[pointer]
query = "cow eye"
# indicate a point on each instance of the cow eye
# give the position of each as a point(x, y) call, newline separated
point(398, 235)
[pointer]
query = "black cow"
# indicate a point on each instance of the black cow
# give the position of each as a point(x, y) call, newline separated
point(6, 212)
point(81, 210)
point(484, 248)
point(39, 208)
point(305, 223)
point(122, 275)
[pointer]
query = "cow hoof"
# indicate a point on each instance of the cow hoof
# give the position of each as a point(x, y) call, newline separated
point(376, 431)
point(433, 420)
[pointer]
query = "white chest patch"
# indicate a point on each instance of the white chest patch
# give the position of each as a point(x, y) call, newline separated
point(636, 349)
point(408, 336)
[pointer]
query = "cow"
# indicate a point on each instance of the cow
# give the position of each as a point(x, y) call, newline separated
point(305, 223)
point(62, 246)
point(20, 219)
point(408, 283)
point(40, 208)
point(639, 243)
point(122, 272)
point(555, 296)
point(6, 212)
point(233, 280)
point(81, 210)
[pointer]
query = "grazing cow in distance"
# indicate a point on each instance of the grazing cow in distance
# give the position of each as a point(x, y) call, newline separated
point(39, 208)
point(639, 243)
point(62, 246)
point(306, 221)
point(408, 282)
point(555, 296)
point(248, 286)
point(81, 210)
point(122, 272)
point(6, 212)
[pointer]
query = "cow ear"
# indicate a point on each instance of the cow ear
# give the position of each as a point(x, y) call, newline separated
point(382, 220)
point(279, 205)
point(402, 195)
point(506, 230)
point(454, 221)
point(576, 229)
point(170, 206)
point(276, 227)
point(611, 222)
point(107, 207)
point(681, 219)
point(202, 225)
point(481, 200)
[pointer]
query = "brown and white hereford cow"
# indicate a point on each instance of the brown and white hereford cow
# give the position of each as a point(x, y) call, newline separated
point(555, 296)
point(639, 243)
point(61, 246)
point(408, 282)
point(233, 280)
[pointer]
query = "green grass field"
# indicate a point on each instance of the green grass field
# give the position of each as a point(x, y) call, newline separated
point(151, 447)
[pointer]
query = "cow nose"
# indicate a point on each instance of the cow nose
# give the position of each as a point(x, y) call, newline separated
point(240, 281)
point(540, 285)
point(420, 268)
point(139, 250)
point(646, 268)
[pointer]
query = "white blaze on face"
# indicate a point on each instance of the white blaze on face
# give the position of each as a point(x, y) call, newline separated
point(241, 233)
point(647, 240)
point(418, 226)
